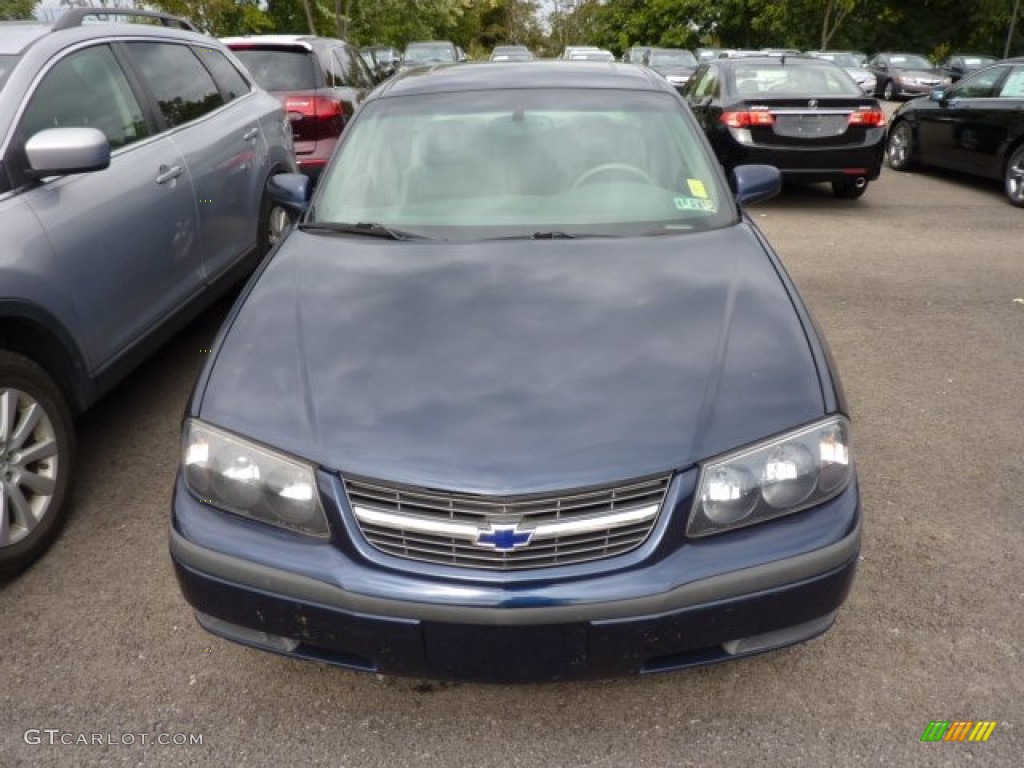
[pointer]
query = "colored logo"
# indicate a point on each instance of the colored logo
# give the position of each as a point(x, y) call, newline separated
point(958, 730)
point(503, 538)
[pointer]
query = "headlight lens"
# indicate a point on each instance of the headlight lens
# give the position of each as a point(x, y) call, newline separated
point(250, 480)
point(778, 477)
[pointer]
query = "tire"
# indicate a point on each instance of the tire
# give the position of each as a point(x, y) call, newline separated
point(1013, 177)
point(899, 146)
point(889, 93)
point(37, 449)
point(847, 189)
point(274, 223)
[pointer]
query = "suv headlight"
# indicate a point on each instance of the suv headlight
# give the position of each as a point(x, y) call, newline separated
point(778, 477)
point(234, 474)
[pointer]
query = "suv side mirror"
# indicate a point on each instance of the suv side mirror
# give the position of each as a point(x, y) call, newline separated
point(56, 151)
point(937, 94)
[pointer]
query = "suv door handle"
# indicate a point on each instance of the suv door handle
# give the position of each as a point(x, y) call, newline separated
point(251, 134)
point(165, 174)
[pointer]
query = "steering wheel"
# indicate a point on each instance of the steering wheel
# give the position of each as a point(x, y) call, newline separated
point(610, 167)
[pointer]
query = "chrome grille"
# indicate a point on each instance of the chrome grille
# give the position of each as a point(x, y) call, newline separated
point(552, 529)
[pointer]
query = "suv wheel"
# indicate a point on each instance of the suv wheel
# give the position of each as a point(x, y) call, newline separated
point(274, 223)
point(36, 462)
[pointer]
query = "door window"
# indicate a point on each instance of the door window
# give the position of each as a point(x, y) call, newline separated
point(183, 88)
point(86, 89)
point(232, 84)
point(981, 86)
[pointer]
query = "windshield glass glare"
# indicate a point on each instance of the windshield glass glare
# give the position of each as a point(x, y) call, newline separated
point(509, 163)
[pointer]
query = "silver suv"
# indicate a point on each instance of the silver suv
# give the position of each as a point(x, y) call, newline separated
point(134, 159)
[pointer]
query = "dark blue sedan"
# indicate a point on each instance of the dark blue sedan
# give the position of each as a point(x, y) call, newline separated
point(524, 395)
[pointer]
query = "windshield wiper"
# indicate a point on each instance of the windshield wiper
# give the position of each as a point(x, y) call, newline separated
point(552, 236)
point(367, 228)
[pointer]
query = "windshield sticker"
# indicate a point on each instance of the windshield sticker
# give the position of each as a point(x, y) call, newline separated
point(694, 204)
point(697, 188)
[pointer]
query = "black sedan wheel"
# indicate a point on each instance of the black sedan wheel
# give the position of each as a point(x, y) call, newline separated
point(890, 91)
point(900, 146)
point(36, 455)
point(1014, 177)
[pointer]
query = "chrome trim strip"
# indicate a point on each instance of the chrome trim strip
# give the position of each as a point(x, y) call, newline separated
point(469, 532)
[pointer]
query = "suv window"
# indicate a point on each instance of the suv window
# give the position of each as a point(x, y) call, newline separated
point(182, 86)
point(337, 67)
point(358, 75)
point(232, 84)
point(86, 89)
point(6, 67)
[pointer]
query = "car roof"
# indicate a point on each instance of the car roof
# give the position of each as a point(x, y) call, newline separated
point(18, 37)
point(535, 74)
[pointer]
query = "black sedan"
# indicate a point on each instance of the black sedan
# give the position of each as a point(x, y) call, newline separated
point(975, 126)
point(676, 65)
point(901, 75)
point(960, 65)
point(525, 395)
point(803, 115)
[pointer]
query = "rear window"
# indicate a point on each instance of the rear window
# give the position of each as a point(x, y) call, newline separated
point(6, 67)
point(280, 69)
point(793, 80)
point(511, 163)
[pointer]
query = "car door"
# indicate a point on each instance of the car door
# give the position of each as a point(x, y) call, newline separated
point(219, 141)
point(952, 132)
point(996, 120)
point(124, 238)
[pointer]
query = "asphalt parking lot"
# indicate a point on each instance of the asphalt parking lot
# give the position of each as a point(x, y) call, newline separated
point(919, 287)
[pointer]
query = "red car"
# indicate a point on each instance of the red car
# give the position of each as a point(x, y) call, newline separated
point(320, 80)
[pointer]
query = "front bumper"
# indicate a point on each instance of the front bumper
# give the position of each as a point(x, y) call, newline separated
point(332, 605)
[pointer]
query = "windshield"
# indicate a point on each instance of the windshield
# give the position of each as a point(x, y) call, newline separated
point(279, 69)
point(521, 163)
point(429, 54)
point(6, 67)
point(909, 61)
point(673, 59)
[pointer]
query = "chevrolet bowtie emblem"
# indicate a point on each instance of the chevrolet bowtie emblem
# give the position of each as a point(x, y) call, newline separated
point(503, 538)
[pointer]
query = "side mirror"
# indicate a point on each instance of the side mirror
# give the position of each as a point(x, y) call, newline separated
point(754, 183)
point(937, 94)
point(290, 190)
point(67, 150)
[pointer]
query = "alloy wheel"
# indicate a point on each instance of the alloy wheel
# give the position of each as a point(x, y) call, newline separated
point(29, 464)
point(899, 146)
point(1015, 177)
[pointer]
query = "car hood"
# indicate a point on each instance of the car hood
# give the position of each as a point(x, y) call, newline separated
point(513, 366)
point(921, 74)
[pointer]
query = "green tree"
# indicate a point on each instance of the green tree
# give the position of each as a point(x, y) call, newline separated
point(220, 17)
point(14, 10)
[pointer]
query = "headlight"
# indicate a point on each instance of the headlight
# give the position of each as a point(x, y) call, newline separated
point(241, 477)
point(785, 475)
